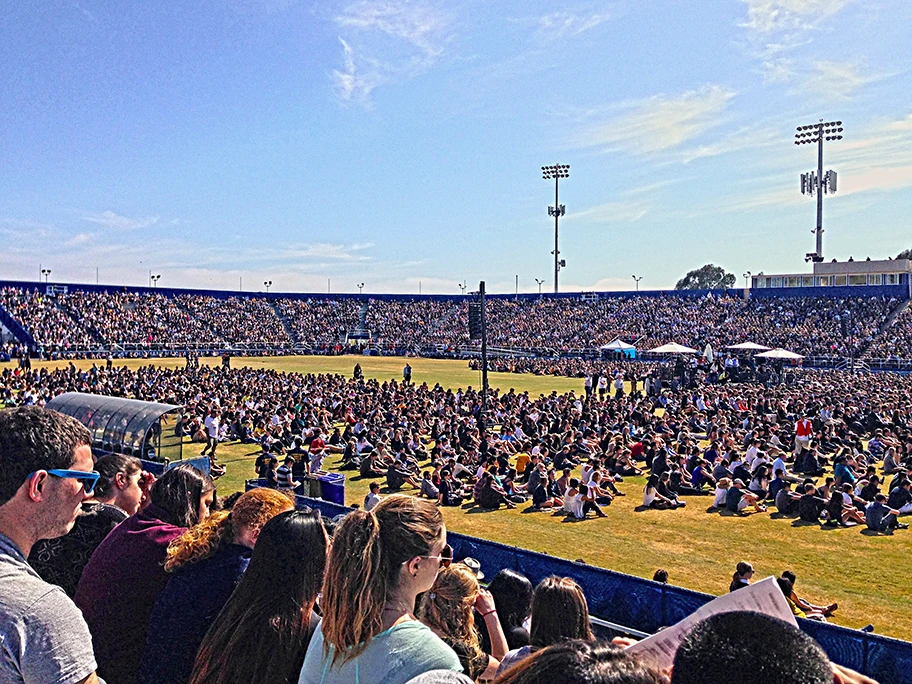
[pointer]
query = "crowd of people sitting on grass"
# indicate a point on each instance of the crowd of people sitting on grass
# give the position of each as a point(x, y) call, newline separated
point(162, 582)
point(822, 448)
point(822, 326)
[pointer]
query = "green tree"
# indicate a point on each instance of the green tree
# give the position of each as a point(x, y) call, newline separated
point(905, 254)
point(708, 277)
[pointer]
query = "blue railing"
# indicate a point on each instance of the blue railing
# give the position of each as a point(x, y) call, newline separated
point(646, 606)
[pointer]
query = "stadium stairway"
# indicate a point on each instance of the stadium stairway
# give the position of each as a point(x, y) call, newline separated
point(95, 332)
point(16, 329)
point(285, 324)
point(891, 319)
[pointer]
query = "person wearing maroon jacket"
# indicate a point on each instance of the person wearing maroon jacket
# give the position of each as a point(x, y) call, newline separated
point(126, 573)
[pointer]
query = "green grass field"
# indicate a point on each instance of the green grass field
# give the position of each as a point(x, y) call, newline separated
point(864, 573)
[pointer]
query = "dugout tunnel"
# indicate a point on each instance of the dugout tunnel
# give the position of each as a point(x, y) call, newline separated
point(145, 429)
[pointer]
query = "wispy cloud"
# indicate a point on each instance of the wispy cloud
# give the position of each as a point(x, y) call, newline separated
point(78, 239)
point(768, 16)
point(611, 212)
point(409, 21)
point(108, 219)
point(354, 84)
point(386, 41)
point(839, 80)
point(659, 123)
point(562, 25)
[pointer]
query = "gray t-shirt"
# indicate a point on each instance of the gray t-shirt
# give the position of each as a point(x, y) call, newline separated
point(43, 636)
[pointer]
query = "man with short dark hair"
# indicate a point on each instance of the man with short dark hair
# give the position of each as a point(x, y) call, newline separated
point(753, 648)
point(46, 472)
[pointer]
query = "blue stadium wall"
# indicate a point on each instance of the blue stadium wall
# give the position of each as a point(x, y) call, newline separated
point(901, 291)
point(648, 606)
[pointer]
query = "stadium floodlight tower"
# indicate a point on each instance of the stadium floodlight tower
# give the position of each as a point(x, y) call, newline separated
point(557, 171)
point(816, 182)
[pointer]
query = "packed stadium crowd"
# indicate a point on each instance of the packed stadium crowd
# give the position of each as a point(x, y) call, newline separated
point(898, 344)
point(822, 326)
point(106, 575)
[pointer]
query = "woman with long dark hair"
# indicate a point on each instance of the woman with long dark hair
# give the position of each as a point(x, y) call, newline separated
point(126, 573)
point(380, 561)
point(264, 630)
point(512, 594)
point(559, 613)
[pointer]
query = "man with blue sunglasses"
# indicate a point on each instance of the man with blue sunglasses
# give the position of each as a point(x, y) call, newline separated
point(46, 472)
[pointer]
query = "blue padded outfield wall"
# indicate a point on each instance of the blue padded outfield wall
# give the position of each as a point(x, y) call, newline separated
point(647, 606)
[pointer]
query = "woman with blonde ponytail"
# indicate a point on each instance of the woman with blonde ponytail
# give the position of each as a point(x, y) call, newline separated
point(379, 563)
point(206, 563)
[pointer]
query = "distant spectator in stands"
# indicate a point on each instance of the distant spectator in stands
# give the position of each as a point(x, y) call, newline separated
point(742, 577)
point(559, 613)
point(576, 660)
point(126, 573)
point(45, 475)
point(752, 648)
point(380, 561)
point(449, 610)
point(117, 496)
point(264, 630)
point(206, 563)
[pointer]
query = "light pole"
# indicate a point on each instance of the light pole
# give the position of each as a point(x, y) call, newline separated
point(46, 272)
point(540, 282)
point(462, 287)
point(268, 284)
point(360, 288)
point(816, 182)
point(155, 280)
point(746, 278)
point(637, 281)
point(556, 171)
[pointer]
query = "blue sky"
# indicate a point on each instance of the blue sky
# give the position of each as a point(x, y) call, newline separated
point(399, 143)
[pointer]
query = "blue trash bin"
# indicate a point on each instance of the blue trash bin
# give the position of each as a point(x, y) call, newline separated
point(332, 488)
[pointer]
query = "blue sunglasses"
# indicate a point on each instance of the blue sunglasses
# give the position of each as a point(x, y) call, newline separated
point(88, 479)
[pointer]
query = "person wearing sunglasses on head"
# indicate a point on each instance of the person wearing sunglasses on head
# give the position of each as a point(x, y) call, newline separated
point(379, 563)
point(118, 494)
point(46, 473)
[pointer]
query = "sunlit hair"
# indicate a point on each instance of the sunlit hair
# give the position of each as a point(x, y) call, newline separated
point(559, 612)
point(252, 510)
point(448, 607)
point(368, 552)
